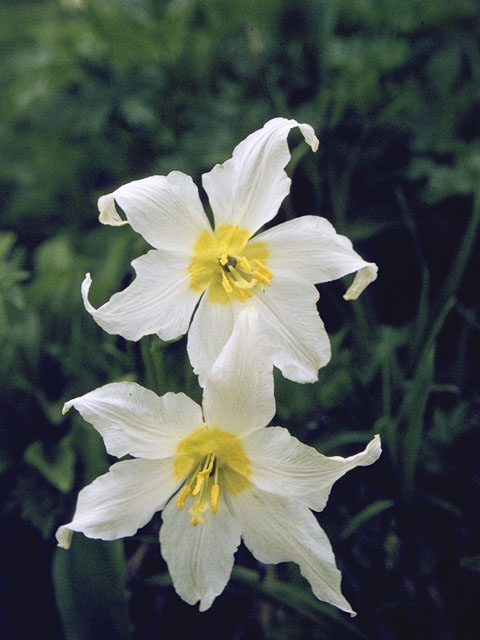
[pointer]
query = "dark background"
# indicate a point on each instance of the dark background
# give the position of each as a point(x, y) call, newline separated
point(95, 94)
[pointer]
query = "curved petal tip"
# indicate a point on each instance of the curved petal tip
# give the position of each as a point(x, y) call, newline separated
point(87, 281)
point(362, 279)
point(66, 407)
point(373, 450)
point(64, 537)
point(108, 212)
point(309, 135)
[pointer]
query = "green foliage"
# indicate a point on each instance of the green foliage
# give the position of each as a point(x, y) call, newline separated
point(58, 469)
point(90, 590)
point(98, 93)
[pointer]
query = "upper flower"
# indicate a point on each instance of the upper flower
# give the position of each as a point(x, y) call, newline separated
point(226, 267)
point(218, 477)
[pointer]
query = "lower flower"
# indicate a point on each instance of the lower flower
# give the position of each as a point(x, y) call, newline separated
point(218, 477)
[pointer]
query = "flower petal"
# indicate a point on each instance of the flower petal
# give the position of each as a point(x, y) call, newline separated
point(211, 327)
point(248, 189)
point(121, 501)
point(361, 281)
point(199, 559)
point(108, 212)
point(165, 210)
point(311, 248)
point(281, 464)
point(159, 300)
point(296, 337)
point(281, 530)
point(134, 420)
point(238, 395)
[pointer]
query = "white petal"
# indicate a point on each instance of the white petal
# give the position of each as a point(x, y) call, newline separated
point(311, 248)
point(282, 530)
point(295, 334)
point(159, 300)
point(281, 464)
point(238, 395)
point(121, 501)
point(134, 420)
point(165, 210)
point(108, 212)
point(361, 281)
point(211, 327)
point(199, 559)
point(248, 189)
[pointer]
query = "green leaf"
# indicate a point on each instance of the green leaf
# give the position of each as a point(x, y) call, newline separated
point(365, 515)
point(412, 410)
point(89, 583)
point(287, 595)
point(471, 563)
point(57, 466)
point(37, 501)
point(331, 444)
point(301, 601)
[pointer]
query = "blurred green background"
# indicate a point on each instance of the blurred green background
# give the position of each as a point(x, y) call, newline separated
point(95, 94)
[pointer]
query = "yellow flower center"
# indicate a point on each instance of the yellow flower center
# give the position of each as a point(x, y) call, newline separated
point(209, 459)
point(226, 264)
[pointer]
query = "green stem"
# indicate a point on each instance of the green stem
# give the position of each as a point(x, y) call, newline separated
point(151, 350)
point(463, 256)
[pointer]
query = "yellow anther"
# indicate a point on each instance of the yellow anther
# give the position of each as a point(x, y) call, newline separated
point(182, 496)
point(244, 264)
point(262, 268)
point(226, 283)
point(239, 274)
point(214, 497)
point(204, 473)
point(199, 484)
point(261, 277)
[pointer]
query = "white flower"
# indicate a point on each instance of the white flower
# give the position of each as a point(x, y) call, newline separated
point(218, 477)
point(220, 269)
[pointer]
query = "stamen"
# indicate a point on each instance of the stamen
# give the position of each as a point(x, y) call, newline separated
point(206, 488)
point(199, 484)
point(243, 274)
point(261, 277)
point(208, 466)
point(226, 283)
point(262, 268)
point(244, 265)
point(214, 497)
point(204, 473)
point(182, 496)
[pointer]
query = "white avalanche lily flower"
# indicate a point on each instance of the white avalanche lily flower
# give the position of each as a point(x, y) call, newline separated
point(223, 268)
point(218, 477)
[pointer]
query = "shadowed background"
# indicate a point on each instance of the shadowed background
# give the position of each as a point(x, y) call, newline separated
point(95, 94)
